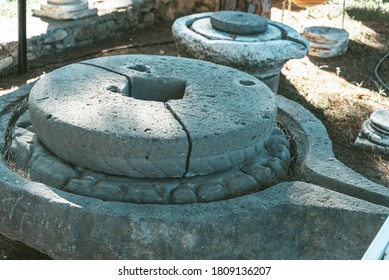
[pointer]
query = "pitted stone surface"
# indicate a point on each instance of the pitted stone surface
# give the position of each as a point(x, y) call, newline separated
point(262, 56)
point(238, 22)
point(110, 115)
point(269, 167)
point(374, 134)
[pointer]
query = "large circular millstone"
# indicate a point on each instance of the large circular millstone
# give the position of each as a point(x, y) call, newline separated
point(152, 116)
point(238, 22)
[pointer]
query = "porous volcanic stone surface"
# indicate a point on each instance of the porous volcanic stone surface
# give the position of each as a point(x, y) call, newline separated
point(315, 161)
point(269, 167)
point(152, 116)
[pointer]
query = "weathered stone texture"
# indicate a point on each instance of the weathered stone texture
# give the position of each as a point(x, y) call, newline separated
point(289, 221)
point(271, 166)
point(261, 55)
point(374, 134)
point(259, 7)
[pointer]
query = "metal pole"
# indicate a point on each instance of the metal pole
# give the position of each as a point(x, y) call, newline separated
point(22, 40)
point(380, 244)
point(344, 11)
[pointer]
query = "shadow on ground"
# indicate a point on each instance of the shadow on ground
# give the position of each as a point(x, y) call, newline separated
point(345, 151)
point(14, 250)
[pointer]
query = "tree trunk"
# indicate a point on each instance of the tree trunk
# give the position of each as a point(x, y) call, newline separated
point(259, 7)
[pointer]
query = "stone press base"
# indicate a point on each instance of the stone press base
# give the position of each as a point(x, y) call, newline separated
point(328, 212)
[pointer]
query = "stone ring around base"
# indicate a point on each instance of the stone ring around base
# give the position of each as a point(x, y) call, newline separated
point(152, 116)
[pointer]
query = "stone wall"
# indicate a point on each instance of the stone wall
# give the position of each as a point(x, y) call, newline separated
point(259, 7)
point(114, 18)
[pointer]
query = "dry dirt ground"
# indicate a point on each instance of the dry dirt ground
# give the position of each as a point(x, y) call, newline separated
point(342, 92)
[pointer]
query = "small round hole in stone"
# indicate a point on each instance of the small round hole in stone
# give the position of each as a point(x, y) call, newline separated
point(139, 68)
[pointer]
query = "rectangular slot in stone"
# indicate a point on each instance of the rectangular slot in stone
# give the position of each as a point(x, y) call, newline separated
point(157, 89)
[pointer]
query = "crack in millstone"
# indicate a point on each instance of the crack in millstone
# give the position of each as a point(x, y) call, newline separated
point(115, 72)
point(188, 155)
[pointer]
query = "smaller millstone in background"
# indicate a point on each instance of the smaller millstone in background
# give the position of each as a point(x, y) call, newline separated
point(262, 55)
point(326, 41)
point(374, 134)
point(238, 22)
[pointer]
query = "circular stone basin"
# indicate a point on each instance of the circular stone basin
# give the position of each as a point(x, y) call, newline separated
point(238, 22)
point(152, 116)
point(261, 54)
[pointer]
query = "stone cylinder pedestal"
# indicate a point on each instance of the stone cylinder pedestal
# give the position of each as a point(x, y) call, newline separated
point(374, 134)
point(326, 41)
point(64, 9)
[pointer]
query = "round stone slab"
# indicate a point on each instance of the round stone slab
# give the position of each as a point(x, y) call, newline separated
point(380, 119)
point(203, 26)
point(152, 116)
point(238, 22)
